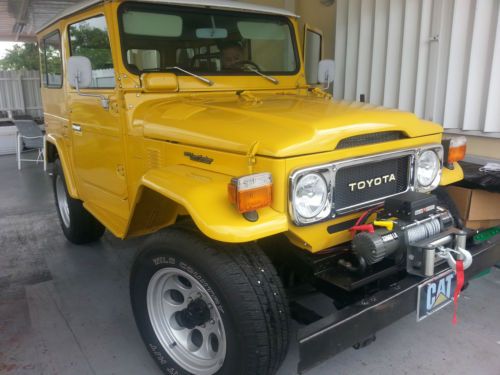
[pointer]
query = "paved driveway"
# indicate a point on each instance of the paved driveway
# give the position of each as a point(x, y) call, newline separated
point(64, 309)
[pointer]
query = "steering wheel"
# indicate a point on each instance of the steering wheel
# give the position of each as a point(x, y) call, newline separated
point(241, 64)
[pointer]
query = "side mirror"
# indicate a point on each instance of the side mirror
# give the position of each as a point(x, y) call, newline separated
point(326, 72)
point(79, 74)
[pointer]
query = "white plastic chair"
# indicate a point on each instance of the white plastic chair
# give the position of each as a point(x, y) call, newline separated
point(31, 137)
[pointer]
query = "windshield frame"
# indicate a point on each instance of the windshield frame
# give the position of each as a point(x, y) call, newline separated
point(151, 7)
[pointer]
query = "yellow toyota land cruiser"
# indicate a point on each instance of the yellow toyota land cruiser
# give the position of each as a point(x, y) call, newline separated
point(191, 122)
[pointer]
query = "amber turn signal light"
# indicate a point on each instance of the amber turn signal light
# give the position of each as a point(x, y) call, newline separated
point(456, 149)
point(249, 193)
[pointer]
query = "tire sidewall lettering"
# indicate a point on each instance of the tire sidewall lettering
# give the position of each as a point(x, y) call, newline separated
point(160, 262)
point(161, 359)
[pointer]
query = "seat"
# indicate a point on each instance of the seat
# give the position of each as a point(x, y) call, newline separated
point(30, 137)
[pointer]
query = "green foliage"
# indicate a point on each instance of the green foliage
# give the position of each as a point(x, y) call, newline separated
point(93, 43)
point(53, 59)
point(20, 57)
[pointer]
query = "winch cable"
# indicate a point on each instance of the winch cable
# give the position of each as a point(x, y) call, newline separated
point(424, 230)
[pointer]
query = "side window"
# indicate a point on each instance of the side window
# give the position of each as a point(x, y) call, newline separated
point(89, 38)
point(313, 41)
point(51, 61)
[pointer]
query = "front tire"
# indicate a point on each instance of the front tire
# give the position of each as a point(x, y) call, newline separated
point(208, 308)
point(78, 225)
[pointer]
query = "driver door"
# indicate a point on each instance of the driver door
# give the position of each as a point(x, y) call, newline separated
point(97, 135)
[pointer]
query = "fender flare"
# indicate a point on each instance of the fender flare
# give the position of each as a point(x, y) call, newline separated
point(203, 195)
point(65, 159)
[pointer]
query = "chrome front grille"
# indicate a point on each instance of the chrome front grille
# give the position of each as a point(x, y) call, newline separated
point(355, 184)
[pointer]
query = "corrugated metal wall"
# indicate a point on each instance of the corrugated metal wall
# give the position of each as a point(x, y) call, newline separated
point(437, 58)
point(20, 92)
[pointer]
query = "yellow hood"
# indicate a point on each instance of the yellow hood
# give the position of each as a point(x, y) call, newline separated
point(284, 125)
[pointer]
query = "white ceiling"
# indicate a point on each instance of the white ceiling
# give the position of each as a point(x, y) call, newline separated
point(19, 19)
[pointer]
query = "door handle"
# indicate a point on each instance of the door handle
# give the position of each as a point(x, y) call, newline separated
point(76, 128)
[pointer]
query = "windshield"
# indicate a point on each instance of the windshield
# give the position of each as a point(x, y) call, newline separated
point(205, 41)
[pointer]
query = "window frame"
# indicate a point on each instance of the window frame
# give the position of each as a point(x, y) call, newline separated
point(45, 83)
point(109, 41)
point(144, 6)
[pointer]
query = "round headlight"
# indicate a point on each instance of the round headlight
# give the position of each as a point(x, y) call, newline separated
point(428, 167)
point(310, 195)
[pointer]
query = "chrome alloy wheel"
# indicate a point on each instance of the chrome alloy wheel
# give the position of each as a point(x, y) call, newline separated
point(186, 321)
point(62, 201)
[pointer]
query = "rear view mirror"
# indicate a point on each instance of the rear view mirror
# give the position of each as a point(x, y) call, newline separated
point(211, 33)
point(79, 72)
point(326, 72)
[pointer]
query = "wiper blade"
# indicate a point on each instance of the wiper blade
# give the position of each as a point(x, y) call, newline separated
point(272, 79)
point(202, 79)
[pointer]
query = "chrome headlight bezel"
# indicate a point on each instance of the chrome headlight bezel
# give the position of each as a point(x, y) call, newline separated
point(325, 212)
point(438, 152)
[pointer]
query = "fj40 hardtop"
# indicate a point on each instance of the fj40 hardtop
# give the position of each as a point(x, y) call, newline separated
point(191, 122)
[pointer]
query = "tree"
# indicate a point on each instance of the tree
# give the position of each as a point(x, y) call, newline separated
point(23, 56)
point(91, 42)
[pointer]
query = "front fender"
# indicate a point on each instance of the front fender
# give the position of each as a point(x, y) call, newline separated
point(450, 176)
point(203, 194)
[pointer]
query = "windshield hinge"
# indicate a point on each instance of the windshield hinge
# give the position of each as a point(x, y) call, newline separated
point(248, 97)
point(316, 91)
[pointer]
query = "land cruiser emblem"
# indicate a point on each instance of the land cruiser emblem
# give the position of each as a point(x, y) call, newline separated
point(376, 181)
point(199, 158)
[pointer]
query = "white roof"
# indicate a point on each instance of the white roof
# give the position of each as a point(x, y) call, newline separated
point(218, 4)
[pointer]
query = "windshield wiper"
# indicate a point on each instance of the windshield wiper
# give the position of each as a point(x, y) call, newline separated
point(202, 79)
point(272, 79)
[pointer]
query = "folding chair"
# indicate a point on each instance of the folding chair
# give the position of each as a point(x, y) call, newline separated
point(30, 137)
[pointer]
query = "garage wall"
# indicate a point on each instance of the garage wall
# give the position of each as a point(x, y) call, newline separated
point(321, 17)
point(437, 58)
point(313, 13)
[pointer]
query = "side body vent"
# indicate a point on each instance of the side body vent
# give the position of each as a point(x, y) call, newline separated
point(153, 158)
point(369, 139)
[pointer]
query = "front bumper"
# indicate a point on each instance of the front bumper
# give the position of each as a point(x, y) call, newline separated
point(341, 330)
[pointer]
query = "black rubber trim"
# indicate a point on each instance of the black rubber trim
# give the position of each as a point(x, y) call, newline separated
point(341, 226)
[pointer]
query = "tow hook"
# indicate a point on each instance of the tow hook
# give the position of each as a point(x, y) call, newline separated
point(463, 261)
point(462, 254)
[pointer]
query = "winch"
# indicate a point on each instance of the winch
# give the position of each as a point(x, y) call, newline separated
point(414, 231)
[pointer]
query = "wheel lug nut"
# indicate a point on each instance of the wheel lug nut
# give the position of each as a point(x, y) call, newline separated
point(212, 321)
point(210, 306)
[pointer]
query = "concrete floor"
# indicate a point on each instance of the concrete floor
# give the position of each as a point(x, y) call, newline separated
point(64, 309)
